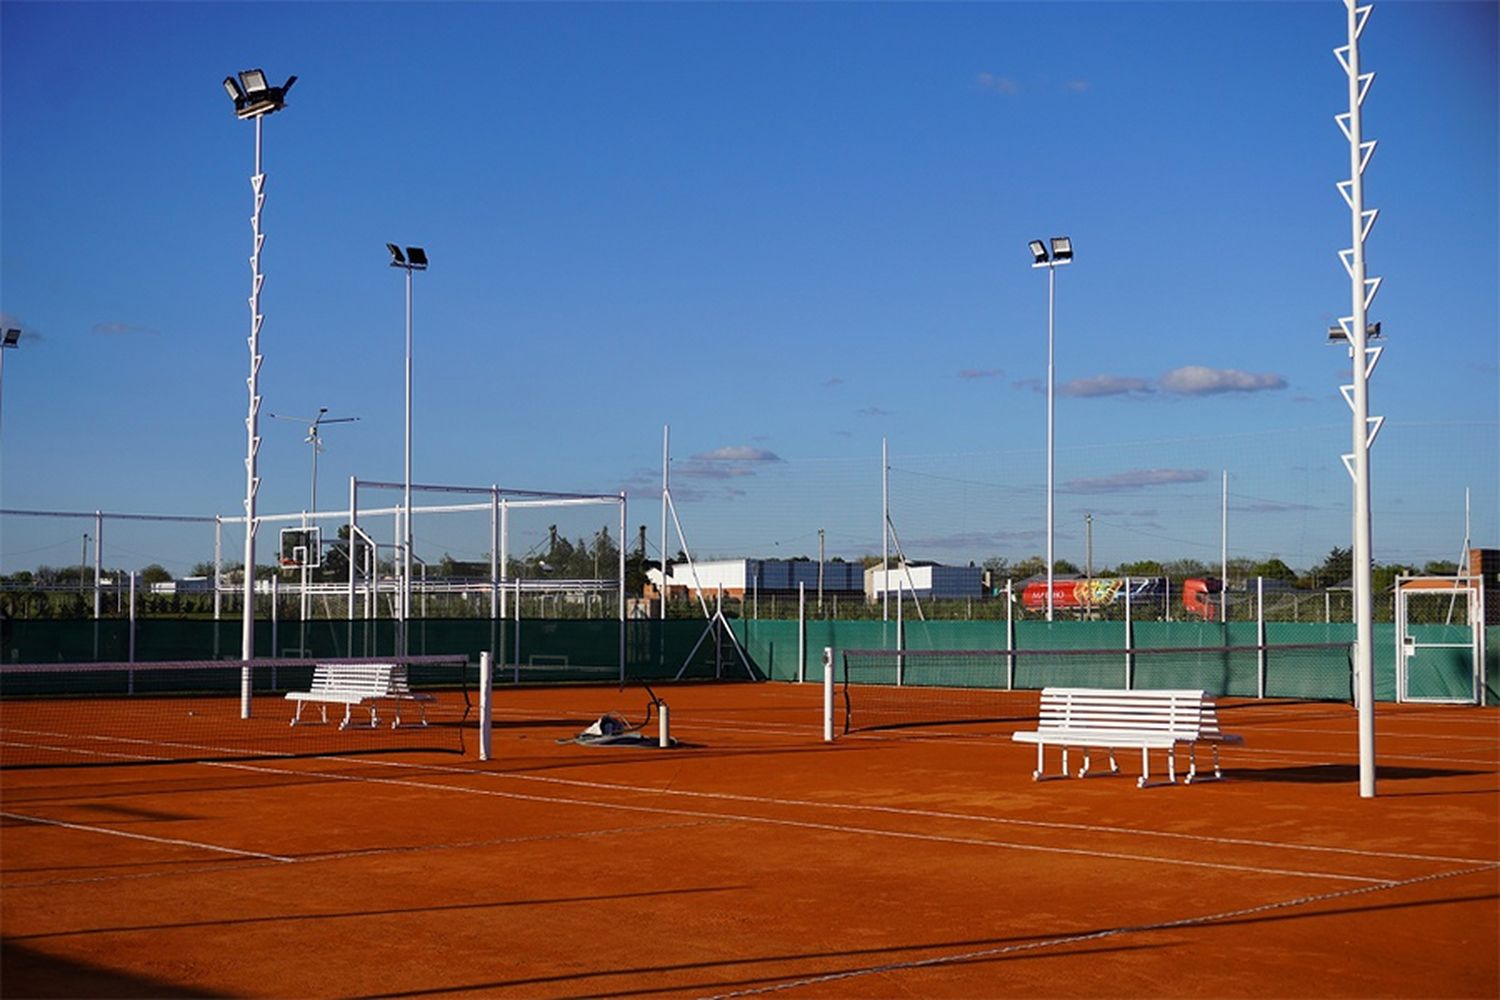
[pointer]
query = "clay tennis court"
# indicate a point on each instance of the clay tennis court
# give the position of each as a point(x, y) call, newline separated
point(754, 858)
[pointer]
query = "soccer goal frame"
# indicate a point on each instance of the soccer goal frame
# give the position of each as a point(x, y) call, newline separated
point(499, 502)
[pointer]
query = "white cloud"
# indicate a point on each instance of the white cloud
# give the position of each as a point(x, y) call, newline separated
point(737, 453)
point(999, 84)
point(1104, 385)
point(1133, 480)
point(971, 374)
point(125, 330)
point(1198, 380)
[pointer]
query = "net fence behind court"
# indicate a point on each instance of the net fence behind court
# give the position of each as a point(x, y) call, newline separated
point(69, 714)
point(896, 689)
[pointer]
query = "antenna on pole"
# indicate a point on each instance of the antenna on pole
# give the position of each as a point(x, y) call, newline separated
point(316, 440)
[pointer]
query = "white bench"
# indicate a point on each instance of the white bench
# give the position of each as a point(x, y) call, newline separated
point(358, 684)
point(1090, 718)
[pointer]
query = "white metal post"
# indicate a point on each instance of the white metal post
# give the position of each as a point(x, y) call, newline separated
point(885, 533)
point(1010, 637)
point(1364, 358)
point(1224, 550)
point(827, 694)
point(801, 631)
point(275, 614)
point(131, 651)
point(624, 616)
point(486, 695)
point(504, 554)
point(406, 534)
point(1260, 636)
point(252, 428)
point(98, 563)
point(494, 551)
point(820, 570)
point(1051, 296)
point(1129, 638)
point(666, 465)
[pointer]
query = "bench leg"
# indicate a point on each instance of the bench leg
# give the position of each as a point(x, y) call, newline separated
point(1040, 774)
point(1145, 778)
point(1193, 774)
point(1114, 766)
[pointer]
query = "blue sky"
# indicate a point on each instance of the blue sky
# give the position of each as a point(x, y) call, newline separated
point(786, 230)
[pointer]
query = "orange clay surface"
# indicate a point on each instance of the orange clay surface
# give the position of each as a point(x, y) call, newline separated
point(753, 858)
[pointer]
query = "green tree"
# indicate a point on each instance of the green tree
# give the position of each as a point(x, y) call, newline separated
point(1274, 569)
point(1336, 568)
point(155, 573)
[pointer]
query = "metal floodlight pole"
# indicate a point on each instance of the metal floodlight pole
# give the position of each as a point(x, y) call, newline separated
point(414, 259)
point(1364, 359)
point(1061, 253)
point(11, 340)
point(253, 99)
point(406, 532)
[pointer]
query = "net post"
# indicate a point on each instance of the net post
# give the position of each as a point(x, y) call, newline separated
point(486, 691)
point(1260, 636)
point(827, 694)
point(663, 725)
point(1010, 637)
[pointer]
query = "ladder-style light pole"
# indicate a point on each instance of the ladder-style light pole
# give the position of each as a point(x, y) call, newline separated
point(253, 99)
point(1357, 331)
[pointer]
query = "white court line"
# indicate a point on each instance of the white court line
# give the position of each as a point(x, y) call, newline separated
point(795, 824)
point(146, 836)
point(965, 817)
point(1072, 939)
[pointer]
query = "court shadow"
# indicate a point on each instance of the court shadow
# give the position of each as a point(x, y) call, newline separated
point(219, 758)
point(30, 973)
point(1342, 774)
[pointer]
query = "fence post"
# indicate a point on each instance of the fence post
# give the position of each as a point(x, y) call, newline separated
point(801, 632)
point(275, 613)
point(131, 642)
point(1260, 636)
point(1129, 638)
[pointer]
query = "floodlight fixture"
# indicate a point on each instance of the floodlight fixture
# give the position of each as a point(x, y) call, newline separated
point(1062, 249)
point(1336, 334)
point(397, 258)
point(253, 97)
point(417, 256)
point(12, 337)
point(1039, 253)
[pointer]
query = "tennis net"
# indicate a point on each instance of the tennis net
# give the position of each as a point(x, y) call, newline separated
point(69, 714)
point(892, 689)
